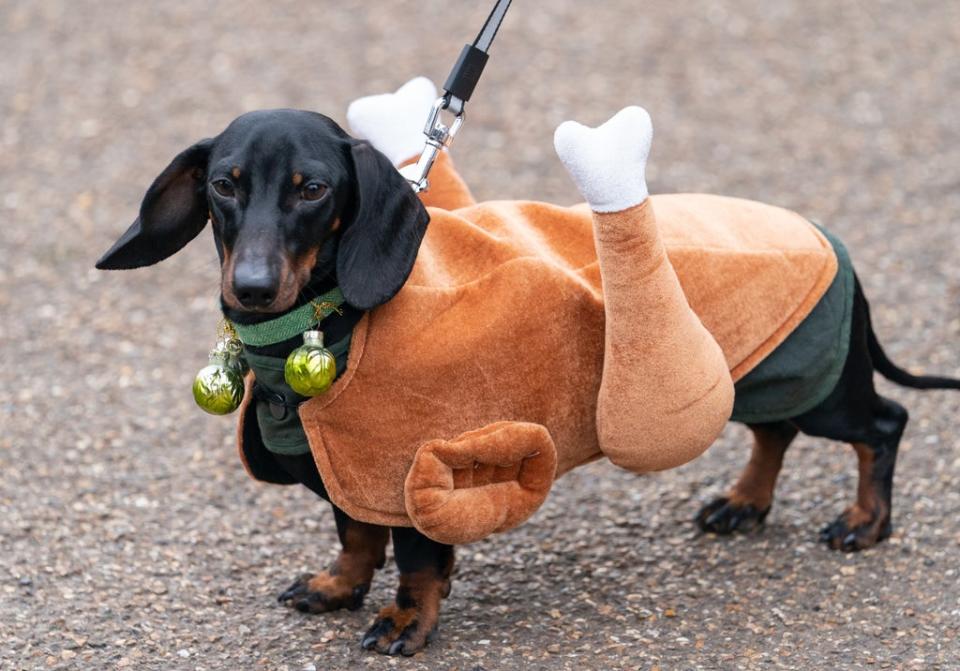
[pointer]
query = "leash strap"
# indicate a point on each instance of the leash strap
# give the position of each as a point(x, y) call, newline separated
point(457, 90)
point(465, 74)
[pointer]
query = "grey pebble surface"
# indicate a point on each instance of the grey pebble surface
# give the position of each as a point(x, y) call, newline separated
point(130, 536)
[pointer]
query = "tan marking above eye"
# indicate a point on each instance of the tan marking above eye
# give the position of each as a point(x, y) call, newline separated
point(235, 172)
point(297, 179)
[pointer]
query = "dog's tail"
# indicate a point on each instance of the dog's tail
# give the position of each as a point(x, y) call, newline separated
point(883, 365)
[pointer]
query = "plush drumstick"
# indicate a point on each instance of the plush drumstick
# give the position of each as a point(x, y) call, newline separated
point(666, 390)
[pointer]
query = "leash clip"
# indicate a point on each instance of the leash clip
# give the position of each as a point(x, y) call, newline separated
point(439, 137)
point(456, 92)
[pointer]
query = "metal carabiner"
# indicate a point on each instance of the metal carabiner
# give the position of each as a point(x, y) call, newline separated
point(456, 92)
point(439, 137)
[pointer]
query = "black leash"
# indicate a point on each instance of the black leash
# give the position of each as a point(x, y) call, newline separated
point(466, 72)
point(457, 90)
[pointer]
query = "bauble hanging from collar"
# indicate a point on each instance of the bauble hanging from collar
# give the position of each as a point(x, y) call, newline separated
point(218, 387)
point(311, 368)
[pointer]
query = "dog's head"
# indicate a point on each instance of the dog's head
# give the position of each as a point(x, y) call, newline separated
point(292, 199)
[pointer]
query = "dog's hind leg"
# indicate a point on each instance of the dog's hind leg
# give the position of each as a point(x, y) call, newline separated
point(873, 425)
point(746, 505)
point(868, 520)
point(347, 581)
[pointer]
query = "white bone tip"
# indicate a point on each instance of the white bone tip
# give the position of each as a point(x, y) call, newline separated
point(608, 163)
point(393, 122)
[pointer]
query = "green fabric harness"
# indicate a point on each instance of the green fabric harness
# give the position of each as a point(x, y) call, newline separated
point(276, 403)
point(800, 373)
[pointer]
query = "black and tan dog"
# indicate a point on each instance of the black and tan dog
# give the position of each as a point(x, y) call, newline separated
point(308, 209)
point(299, 207)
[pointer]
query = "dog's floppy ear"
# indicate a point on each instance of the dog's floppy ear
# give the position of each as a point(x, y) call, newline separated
point(173, 213)
point(380, 244)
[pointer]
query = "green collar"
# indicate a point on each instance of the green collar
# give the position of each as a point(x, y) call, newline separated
point(292, 323)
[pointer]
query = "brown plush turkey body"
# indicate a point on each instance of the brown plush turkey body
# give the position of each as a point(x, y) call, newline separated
point(441, 423)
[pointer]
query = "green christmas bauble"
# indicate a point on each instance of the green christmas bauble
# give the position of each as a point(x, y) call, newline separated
point(311, 368)
point(218, 387)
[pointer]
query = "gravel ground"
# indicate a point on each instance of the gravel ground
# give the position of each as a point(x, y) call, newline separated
point(131, 537)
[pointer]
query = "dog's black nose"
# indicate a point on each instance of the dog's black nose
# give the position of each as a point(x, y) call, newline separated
point(254, 287)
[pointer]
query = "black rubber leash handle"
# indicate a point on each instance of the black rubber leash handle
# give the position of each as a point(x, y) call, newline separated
point(464, 76)
point(466, 72)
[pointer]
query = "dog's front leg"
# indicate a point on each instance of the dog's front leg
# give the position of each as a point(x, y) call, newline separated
point(409, 623)
point(347, 581)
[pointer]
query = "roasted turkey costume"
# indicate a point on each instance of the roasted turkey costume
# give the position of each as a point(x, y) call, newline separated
point(532, 338)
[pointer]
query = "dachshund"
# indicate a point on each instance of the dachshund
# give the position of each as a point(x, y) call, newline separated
point(298, 207)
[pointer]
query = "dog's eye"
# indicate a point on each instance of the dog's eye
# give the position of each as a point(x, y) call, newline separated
point(224, 187)
point(313, 191)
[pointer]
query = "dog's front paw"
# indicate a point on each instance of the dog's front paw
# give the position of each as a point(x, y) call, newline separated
point(324, 592)
point(411, 622)
point(857, 529)
point(723, 516)
point(403, 631)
